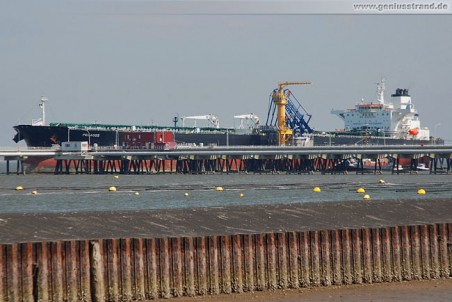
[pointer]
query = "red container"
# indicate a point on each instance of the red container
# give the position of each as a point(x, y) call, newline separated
point(140, 140)
point(164, 137)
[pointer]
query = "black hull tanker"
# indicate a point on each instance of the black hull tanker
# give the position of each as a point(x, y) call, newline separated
point(136, 136)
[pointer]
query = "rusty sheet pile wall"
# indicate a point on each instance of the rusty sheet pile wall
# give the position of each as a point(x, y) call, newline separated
point(137, 269)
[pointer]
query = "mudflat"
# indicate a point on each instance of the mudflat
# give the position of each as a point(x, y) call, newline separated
point(230, 220)
point(413, 291)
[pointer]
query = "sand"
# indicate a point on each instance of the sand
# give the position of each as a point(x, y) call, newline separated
point(412, 291)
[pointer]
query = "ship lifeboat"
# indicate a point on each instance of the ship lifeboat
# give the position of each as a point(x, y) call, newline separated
point(413, 132)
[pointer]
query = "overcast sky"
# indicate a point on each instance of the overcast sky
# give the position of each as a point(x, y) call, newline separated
point(120, 62)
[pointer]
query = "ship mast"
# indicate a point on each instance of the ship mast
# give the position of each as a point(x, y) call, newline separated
point(42, 120)
point(42, 105)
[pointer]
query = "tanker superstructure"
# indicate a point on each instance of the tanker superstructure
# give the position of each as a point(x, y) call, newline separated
point(397, 119)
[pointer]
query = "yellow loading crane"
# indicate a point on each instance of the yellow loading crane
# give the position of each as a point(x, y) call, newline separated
point(279, 98)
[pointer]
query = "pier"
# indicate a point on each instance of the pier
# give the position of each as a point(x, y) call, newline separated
point(199, 160)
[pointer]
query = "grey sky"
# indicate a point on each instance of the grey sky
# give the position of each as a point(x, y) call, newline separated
point(117, 62)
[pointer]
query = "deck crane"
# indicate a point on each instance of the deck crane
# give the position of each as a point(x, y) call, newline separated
point(280, 99)
point(213, 119)
point(251, 120)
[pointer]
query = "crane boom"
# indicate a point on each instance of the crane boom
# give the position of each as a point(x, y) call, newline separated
point(280, 100)
point(284, 84)
point(208, 117)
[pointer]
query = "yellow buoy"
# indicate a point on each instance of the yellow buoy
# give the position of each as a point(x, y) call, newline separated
point(34, 192)
point(219, 189)
point(241, 194)
point(360, 190)
point(112, 189)
point(186, 194)
point(19, 188)
point(116, 176)
point(137, 193)
point(421, 192)
point(316, 189)
point(366, 197)
point(381, 181)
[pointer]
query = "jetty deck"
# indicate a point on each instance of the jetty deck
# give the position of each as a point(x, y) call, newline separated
point(200, 160)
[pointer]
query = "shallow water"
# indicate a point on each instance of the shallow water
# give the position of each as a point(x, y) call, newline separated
point(73, 193)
